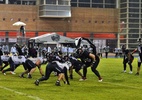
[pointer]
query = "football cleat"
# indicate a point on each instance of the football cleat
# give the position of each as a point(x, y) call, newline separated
point(124, 71)
point(13, 73)
point(137, 73)
point(36, 82)
point(130, 72)
point(100, 80)
point(3, 72)
point(29, 75)
point(57, 83)
point(21, 76)
point(83, 79)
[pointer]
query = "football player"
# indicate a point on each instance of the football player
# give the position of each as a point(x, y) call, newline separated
point(31, 64)
point(88, 58)
point(14, 62)
point(76, 64)
point(128, 58)
point(60, 68)
point(4, 60)
point(139, 49)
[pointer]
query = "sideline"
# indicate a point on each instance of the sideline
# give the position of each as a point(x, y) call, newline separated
point(20, 93)
point(121, 85)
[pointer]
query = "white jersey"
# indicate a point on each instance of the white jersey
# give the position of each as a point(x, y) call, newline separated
point(5, 57)
point(34, 60)
point(18, 59)
point(62, 65)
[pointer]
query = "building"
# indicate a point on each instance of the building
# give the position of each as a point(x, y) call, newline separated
point(130, 22)
point(108, 22)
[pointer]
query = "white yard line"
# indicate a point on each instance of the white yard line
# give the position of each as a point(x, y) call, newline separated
point(117, 84)
point(20, 93)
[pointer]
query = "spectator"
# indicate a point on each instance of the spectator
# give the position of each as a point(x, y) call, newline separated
point(22, 31)
point(13, 50)
point(100, 52)
point(5, 49)
point(106, 50)
point(116, 50)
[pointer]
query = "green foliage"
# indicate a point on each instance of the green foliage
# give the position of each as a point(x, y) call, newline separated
point(115, 86)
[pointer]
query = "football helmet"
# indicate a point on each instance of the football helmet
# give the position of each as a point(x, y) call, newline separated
point(78, 42)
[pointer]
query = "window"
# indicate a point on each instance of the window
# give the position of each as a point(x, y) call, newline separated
point(133, 20)
point(110, 1)
point(4, 19)
point(88, 1)
point(121, 1)
point(123, 5)
point(2, 1)
point(133, 4)
point(19, 19)
point(73, 0)
point(97, 1)
point(133, 40)
point(134, 15)
point(133, 0)
point(84, 5)
point(50, 1)
point(97, 5)
point(74, 4)
point(123, 20)
point(123, 15)
point(41, 1)
point(133, 10)
point(109, 6)
point(12, 1)
point(123, 10)
point(134, 31)
point(26, 2)
point(133, 36)
point(133, 25)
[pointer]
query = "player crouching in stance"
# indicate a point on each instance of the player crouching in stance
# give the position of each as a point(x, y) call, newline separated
point(14, 62)
point(76, 64)
point(60, 68)
point(31, 64)
point(4, 60)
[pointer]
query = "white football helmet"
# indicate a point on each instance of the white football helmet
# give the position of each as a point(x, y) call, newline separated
point(69, 63)
point(78, 42)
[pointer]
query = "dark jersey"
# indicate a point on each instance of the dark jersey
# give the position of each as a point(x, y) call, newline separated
point(53, 57)
point(1, 53)
point(140, 51)
point(85, 57)
point(75, 62)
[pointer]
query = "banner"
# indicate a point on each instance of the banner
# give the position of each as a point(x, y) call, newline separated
point(12, 40)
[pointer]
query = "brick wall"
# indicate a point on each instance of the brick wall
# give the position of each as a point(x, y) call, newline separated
point(82, 20)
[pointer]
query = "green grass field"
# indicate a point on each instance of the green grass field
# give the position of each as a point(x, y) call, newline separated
point(115, 85)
